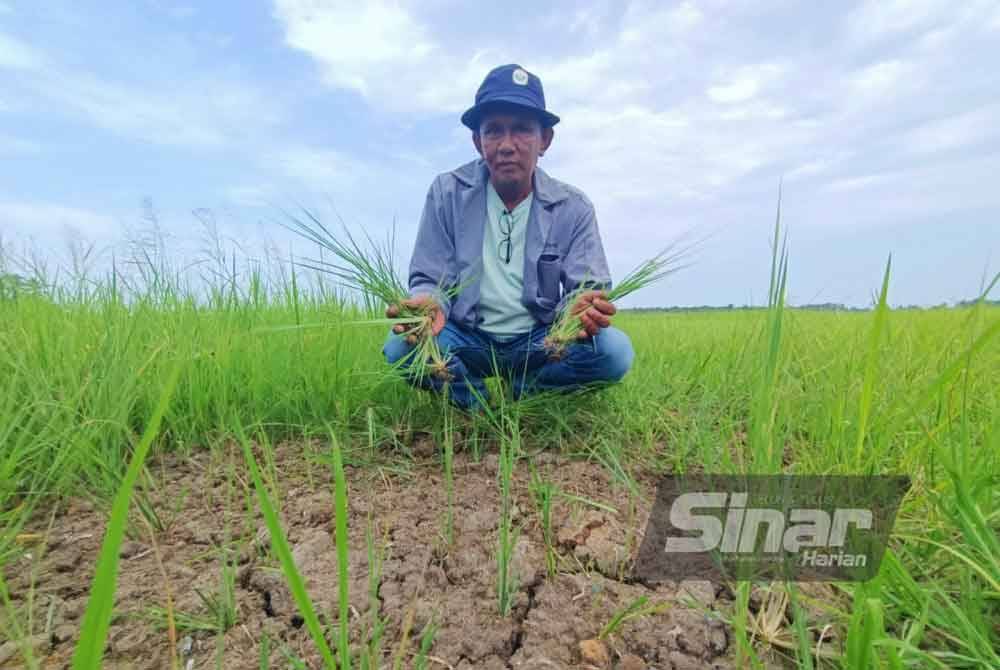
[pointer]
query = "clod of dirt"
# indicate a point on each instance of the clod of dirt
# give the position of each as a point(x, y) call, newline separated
point(527, 562)
point(545, 458)
point(631, 662)
point(423, 445)
point(597, 542)
point(701, 591)
point(130, 549)
point(679, 661)
point(593, 652)
point(11, 649)
point(479, 521)
point(488, 663)
point(491, 462)
point(693, 635)
point(62, 633)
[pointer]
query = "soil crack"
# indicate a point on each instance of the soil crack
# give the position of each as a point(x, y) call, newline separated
point(517, 637)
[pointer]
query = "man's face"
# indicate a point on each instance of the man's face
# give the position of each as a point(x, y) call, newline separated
point(510, 141)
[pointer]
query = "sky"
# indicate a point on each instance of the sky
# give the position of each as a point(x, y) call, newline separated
point(880, 120)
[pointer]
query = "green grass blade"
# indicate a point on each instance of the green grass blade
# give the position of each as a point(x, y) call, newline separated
point(280, 545)
point(89, 651)
point(340, 508)
point(803, 642)
point(871, 363)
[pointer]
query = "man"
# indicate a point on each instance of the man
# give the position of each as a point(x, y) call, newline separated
point(510, 236)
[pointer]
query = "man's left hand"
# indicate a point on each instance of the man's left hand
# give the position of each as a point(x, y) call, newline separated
point(595, 312)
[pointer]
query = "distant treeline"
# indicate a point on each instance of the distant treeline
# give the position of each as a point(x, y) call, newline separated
point(818, 307)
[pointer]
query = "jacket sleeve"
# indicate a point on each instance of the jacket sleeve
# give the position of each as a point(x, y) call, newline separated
point(432, 263)
point(585, 265)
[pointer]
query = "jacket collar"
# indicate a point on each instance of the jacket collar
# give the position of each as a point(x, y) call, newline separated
point(546, 189)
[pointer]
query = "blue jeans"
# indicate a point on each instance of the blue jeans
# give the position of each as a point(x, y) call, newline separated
point(606, 357)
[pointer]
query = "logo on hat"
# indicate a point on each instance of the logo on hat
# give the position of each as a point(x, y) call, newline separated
point(520, 77)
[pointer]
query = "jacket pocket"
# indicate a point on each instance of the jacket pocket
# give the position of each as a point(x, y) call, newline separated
point(549, 269)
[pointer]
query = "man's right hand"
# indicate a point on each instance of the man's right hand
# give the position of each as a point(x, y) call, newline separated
point(417, 303)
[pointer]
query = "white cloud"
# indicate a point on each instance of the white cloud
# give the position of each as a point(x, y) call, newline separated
point(318, 168)
point(642, 154)
point(809, 169)
point(914, 193)
point(743, 83)
point(379, 49)
point(878, 19)
point(386, 48)
point(753, 110)
point(30, 218)
point(595, 79)
point(955, 131)
point(17, 55)
point(196, 111)
point(880, 79)
point(648, 22)
point(587, 20)
point(862, 182)
point(817, 166)
point(356, 43)
point(994, 21)
point(736, 90)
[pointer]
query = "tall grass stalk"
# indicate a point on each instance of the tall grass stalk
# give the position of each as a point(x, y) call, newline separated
point(765, 456)
point(765, 450)
point(871, 366)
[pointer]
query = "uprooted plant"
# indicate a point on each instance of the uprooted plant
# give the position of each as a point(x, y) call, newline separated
point(567, 325)
point(369, 269)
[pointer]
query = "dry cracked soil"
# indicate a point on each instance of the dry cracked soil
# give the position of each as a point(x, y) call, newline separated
point(205, 513)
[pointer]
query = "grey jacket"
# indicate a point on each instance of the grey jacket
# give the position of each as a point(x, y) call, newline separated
point(562, 248)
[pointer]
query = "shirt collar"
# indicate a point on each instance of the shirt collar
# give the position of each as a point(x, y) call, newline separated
point(493, 197)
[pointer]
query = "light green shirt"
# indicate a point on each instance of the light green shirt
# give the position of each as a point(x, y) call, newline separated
point(502, 283)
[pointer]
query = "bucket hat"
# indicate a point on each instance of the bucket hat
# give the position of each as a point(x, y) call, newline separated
point(512, 85)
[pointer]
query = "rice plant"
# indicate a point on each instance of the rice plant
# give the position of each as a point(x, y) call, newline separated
point(507, 581)
point(426, 642)
point(371, 651)
point(370, 270)
point(544, 491)
point(279, 543)
point(448, 442)
point(567, 327)
point(636, 609)
point(885, 390)
point(219, 616)
point(12, 628)
point(340, 511)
